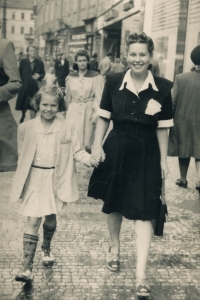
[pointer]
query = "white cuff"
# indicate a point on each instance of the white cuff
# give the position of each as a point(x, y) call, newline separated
point(165, 123)
point(104, 113)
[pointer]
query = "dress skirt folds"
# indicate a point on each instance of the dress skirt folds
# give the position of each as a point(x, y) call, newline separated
point(129, 180)
point(38, 198)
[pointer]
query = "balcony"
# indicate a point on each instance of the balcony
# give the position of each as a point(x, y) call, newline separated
point(128, 5)
point(111, 14)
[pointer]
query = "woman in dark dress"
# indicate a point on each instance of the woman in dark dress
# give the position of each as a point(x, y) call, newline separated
point(134, 155)
point(32, 72)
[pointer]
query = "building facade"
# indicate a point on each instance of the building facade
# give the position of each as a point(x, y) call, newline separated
point(95, 25)
point(102, 26)
point(174, 26)
point(20, 24)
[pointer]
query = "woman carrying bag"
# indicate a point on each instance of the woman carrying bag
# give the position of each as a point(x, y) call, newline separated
point(134, 155)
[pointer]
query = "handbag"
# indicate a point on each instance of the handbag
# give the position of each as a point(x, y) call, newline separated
point(158, 224)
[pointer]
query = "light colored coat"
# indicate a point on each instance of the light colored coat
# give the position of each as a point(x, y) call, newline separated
point(67, 149)
point(83, 96)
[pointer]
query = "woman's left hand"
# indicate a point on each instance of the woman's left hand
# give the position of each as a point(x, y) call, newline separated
point(94, 118)
point(164, 169)
point(95, 160)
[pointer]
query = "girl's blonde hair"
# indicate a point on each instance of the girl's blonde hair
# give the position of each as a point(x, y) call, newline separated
point(59, 93)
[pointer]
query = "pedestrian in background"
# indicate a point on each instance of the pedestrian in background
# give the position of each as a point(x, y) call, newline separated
point(50, 78)
point(48, 62)
point(83, 94)
point(10, 83)
point(106, 65)
point(45, 176)
point(184, 138)
point(32, 72)
point(61, 69)
point(118, 66)
point(134, 155)
point(94, 63)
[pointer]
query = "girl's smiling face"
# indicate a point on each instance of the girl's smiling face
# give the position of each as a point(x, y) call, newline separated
point(138, 58)
point(48, 107)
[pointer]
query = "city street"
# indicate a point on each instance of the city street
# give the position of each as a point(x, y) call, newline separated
point(81, 243)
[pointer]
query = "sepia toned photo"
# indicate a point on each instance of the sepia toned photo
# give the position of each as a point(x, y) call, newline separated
point(99, 149)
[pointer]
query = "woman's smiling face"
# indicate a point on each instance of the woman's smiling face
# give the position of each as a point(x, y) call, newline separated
point(138, 58)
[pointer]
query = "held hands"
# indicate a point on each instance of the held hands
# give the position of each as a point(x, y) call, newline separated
point(36, 76)
point(95, 160)
point(97, 156)
point(164, 169)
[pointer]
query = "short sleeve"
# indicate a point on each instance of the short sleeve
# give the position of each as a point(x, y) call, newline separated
point(105, 108)
point(165, 117)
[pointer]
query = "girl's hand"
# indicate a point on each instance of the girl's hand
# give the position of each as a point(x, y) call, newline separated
point(164, 169)
point(97, 151)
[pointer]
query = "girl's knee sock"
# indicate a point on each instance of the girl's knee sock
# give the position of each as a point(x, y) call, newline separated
point(47, 236)
point(29, 248)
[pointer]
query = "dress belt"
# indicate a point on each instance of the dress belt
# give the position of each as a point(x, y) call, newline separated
point(82, 100)
point(43, 167)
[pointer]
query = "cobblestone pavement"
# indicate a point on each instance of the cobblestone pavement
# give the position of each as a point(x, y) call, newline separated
point(81, 242)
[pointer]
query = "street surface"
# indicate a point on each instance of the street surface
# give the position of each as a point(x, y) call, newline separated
point(81, 242)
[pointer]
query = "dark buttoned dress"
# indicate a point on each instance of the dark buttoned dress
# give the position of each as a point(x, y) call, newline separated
point(129, 180)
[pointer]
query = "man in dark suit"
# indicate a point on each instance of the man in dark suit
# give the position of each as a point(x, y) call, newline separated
point(32, 72)
point(10, 83)
point(61, 69)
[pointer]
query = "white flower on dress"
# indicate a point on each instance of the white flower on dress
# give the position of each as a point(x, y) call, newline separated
point(153, 107)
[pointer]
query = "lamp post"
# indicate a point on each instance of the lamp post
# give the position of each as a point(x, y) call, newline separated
point(4, 6)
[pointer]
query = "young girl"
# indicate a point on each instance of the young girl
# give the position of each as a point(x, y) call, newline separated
point(45, 177)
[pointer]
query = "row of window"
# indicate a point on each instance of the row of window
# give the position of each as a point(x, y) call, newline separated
point(22, 16)
point(21, 30)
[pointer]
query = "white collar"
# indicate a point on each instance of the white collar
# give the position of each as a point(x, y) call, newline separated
point(55, 126)
point(130, 86)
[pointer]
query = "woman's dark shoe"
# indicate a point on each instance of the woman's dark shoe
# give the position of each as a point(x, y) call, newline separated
point(142, 288)
point(182, 183)
point(113, 261)
point(198, 187)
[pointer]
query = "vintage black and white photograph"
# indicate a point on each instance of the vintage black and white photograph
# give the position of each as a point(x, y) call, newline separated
point(100, 149)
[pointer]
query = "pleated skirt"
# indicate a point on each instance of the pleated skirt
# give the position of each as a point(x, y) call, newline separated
point(129, 180)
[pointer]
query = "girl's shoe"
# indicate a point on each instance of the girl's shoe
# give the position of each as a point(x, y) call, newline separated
point(113, 261)
point(181, 183)
point(24, 276)
point(47, 257)
point(142, 288)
